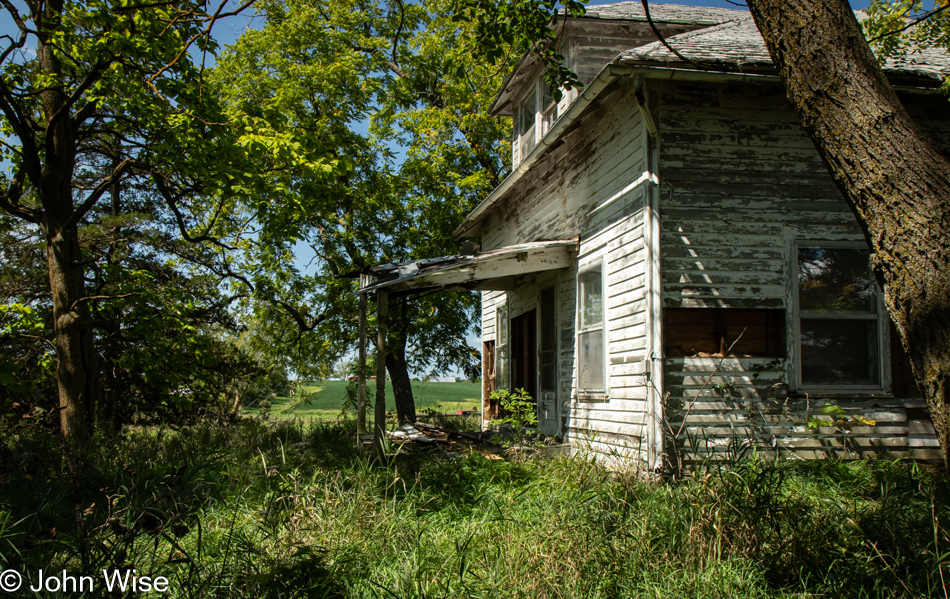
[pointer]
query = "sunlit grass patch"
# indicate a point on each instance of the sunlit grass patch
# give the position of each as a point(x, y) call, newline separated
point(326, 400)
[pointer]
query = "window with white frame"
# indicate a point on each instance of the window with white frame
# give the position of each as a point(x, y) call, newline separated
point(548, 106)
point(533, 118)
point(591, 375)
point(525, 128)
point(501, 347)
point(841, 323)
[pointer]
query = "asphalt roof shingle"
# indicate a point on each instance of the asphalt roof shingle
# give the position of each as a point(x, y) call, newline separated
point(666, 13)
point(739, 45)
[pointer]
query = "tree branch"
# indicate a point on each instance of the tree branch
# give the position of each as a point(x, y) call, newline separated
point(93, 76)
point(169, 197)
point(913, 23)
point(402, 22)
point(96, 193)
point(659, 36)
point(302, 324)
point(99, 297)
point(9, 199)
point(206, 32)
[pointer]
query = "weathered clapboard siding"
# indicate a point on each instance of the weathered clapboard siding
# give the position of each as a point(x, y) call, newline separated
point(740, 183)
point(593, 43)
point(586, 187)
point(740, 408)
point(739, 178)
point(614, 429)
point(599, 157)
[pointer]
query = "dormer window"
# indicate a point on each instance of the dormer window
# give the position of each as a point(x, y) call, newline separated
point(526, 130)
point(534, 117)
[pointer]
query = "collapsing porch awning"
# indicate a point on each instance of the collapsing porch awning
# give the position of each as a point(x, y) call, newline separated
point(494, 269)
point(481, 271)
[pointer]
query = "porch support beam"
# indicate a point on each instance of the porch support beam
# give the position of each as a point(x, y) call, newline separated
point(379, 415)
point(361, 375)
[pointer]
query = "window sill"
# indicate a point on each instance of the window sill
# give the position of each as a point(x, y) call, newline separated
point(592, 397)
point(860, 401)
point(831, 394)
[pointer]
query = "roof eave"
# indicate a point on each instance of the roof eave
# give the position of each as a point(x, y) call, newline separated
point(608, 75)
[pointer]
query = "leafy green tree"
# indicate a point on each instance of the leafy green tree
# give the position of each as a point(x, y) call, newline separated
point(391, 89)
point(109, 122)
point(166, 335)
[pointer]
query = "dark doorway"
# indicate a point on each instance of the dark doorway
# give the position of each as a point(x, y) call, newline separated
point(524, 353)
point(548, 420)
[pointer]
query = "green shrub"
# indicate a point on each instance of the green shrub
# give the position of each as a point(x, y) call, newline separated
point(518, 408)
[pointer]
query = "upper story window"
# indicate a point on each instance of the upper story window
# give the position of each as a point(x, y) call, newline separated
point(525, 128)
point(841, 320)
point(534, 116)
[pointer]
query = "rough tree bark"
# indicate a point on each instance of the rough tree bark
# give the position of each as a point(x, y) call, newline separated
point(895, 178)
point(399, 369)
point(77, 372)
point(402, 386)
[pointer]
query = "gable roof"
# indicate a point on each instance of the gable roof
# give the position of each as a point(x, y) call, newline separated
point(735, 46)
point(738, 46)
point(602, 15)
point(663, 13)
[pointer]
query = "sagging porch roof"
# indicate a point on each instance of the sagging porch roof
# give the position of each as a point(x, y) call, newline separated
point(481, 271)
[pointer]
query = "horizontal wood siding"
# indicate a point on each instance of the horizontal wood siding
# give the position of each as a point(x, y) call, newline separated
point(740, 183)
point(594, 43)
point(614, 429)
point(598, 156)
point(741, 408)
point(583, 187)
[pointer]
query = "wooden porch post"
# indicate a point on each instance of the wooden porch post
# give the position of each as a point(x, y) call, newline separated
point(361, 385)
point(379, 418)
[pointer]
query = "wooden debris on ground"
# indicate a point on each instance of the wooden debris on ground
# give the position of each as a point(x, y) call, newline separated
point(430, 438)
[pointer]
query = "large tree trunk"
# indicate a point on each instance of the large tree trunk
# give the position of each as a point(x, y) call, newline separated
point(77, 372)
point(397, 366)
point(402, 385)
point(895, 178)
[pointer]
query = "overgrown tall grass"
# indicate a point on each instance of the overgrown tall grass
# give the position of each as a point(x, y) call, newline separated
point(255, 511)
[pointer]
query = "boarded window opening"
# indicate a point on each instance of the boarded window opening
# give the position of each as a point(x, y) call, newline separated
point(711, 331)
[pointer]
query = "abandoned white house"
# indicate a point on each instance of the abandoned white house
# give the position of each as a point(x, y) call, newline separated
point(669, 268)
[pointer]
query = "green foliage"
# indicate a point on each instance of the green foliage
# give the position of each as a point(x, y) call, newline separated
point(249, 510)
point(518, 407)
point(838, 417)
point(367, 82)
point(521, 25)
point(155, 177)
point(897, 29)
